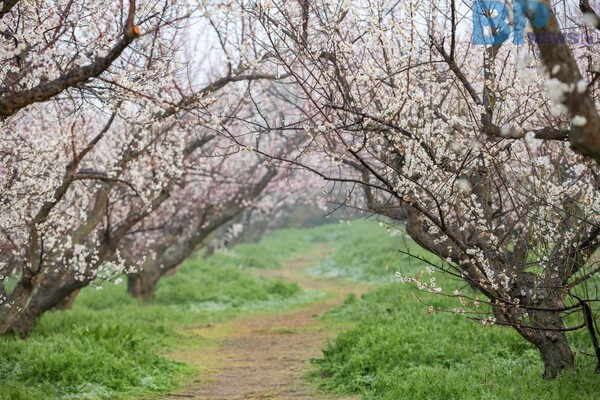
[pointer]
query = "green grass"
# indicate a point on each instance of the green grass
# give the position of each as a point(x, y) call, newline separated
point(284, 243)
point(219, 284)
point(368, 253)
point(91, 361)
point(396, 349)
point(109, 345)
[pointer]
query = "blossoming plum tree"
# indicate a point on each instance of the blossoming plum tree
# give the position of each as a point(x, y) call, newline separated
point(99, 138)
point(477, 149)
point(116, 155)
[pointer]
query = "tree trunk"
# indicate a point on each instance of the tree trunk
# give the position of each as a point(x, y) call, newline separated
point(552, 343)
point(556, 353)
point(16, 304)
point(67, 302)
point(54, 289)
point(550, 338)
point(142, 284)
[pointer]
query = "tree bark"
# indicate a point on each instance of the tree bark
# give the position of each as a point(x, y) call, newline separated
point(552, 342)
point(16, 305)
point(556, 353)
point(143, 284)
point(6, 6)
point(12, 101)
point(51, 291)
point(550, 338)
point(556, 53)
point(67, 302)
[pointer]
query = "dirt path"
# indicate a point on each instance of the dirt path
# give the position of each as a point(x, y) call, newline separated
point(267, 356)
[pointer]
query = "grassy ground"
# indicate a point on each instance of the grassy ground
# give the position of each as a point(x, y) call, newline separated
point(368, 253)
point(397, 349)
point(109, 346)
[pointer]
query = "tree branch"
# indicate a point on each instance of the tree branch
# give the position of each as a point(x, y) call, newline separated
point(6, 6)
point(12, 102)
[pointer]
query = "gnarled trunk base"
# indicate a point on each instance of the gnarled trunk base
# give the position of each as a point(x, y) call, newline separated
point(67, 302)
point(17, 304)
point(142, 284)
point(54, 289)
point(550, 338)
point(556, 353)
